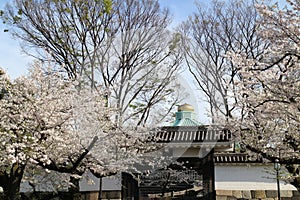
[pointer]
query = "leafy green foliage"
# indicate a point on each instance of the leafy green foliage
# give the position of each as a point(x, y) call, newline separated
point(107, 6)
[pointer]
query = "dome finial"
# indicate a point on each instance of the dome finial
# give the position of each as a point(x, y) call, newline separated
point(186, 107)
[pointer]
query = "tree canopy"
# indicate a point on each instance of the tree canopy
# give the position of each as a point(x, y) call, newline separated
point(61, 125)
point(244, 57)
point(268, 92)
point(208, 35)
point(123, 45)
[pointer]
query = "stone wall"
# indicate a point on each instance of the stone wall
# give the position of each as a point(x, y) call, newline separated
point(106, 195)
point(256, 194)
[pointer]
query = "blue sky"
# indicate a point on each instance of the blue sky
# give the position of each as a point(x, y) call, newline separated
point(15, 62)
point(11, 58)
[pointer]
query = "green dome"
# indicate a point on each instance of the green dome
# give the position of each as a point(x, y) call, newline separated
point(185, 116)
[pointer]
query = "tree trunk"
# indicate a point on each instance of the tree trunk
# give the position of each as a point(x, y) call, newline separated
point(164, 185)
point(12, 182)
point(4, 180)
point(74, 188)
point(294, 170)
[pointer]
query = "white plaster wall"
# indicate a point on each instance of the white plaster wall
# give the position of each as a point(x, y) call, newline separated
point(88, 183)
point(248, 177)
point(91, 183)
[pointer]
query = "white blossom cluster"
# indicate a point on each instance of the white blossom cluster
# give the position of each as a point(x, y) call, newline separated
point(268, 91)
point(64, 126)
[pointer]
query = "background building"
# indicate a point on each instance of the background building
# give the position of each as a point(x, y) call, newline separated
point(222, 171)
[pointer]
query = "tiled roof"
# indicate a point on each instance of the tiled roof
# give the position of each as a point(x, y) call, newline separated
point(195, 134)
point(234, 158)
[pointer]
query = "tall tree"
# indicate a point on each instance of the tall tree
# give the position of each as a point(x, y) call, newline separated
point(122, 45)
point(268, 93)
point(207, 36)
point(144, 62)
point(70, 31)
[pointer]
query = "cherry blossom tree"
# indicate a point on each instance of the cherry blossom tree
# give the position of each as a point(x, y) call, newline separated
point(121, 47)
point(269, 92)
point(38, 125)
point(60, 125)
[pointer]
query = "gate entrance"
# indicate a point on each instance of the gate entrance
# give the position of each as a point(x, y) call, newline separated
point(190, 178)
